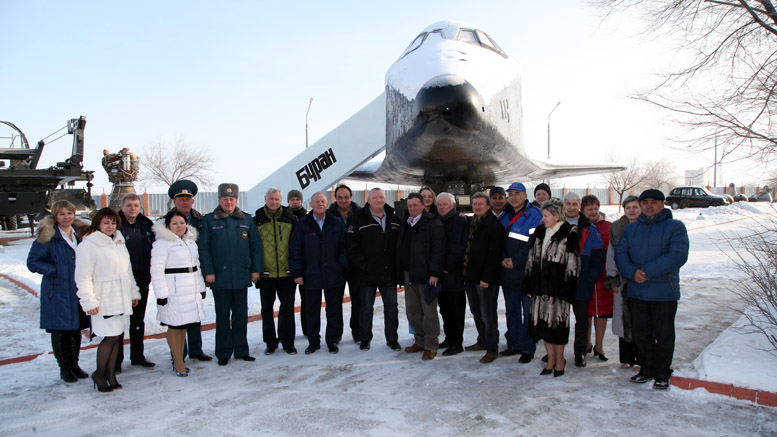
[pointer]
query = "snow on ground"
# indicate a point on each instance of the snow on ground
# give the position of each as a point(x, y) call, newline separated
point(382, 392)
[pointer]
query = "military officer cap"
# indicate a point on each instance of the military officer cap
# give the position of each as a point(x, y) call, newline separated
point(228, 190)
point(182, 187)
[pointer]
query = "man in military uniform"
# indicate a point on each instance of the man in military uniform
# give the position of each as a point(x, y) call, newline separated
point(182, 192)
point(231, 260)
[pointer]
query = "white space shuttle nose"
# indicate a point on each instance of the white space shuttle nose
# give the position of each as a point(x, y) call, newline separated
point(452, 98)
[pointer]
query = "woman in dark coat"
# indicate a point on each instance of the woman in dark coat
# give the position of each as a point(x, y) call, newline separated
point(552, 271)
point(53, 254)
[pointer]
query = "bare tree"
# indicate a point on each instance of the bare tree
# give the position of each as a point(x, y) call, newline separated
point(756, 258)
point(166, 163)
point(659, 175)
point(726, 91)
point(626, 180)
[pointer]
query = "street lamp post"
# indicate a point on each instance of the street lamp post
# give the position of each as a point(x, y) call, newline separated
point(306, 122)
point(551, 113)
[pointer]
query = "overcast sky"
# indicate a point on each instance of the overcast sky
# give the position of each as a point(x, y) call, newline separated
point(237, 77)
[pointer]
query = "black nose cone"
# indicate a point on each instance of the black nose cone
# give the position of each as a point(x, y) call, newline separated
point(453, 99)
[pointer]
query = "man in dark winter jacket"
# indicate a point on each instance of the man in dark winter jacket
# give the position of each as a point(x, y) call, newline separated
point(452, 298)
point(344, 208)
point(138, 232)
point(182, 192)
point(650, 253)
point(541, 194)
point(593, 255)
point(520, 228)
point(276, 224)
point(231, 259)
point(371, 241)
point(317, 259)
point(421, 250)
point(482, 271)
point(294, 198)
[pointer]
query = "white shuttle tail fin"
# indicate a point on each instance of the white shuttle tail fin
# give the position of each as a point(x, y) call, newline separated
point(337, 154)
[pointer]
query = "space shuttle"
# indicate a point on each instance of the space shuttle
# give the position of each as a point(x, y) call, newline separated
point(450, 117)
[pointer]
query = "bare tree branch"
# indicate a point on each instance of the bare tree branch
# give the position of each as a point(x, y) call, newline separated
point(165, 163)
point(725, 92)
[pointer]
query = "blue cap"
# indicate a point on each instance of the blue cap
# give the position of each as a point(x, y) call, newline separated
point(517, 186)
point(652, 194)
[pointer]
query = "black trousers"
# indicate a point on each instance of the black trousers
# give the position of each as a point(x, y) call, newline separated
point(483, 305)
point(284, 288)
point(652, 328)
point(334, 315)
point(453, 306)
point(627, 351)
point(580, 308)
point(137, 328)
point(356, 299)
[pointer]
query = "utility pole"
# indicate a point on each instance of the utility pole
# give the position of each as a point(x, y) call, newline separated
point(551, 113)
point(306, 122)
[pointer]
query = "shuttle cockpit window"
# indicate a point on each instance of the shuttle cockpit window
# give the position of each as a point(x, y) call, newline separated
point(478, 37)
point(419, 41)
point(415, 44)
point(467, 35)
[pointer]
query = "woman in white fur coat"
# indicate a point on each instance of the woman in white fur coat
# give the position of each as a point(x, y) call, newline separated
point(106, 290)
point(177, 281)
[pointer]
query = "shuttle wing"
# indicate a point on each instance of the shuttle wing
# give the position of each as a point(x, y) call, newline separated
point(546, 170)
point(330, 159)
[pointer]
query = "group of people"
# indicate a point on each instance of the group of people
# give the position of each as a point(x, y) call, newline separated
point(551, 257)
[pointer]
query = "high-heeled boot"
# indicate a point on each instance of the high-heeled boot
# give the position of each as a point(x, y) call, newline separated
point(75, 351)
point(58, 345)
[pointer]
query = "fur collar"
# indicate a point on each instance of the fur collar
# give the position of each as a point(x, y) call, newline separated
point(164, 233)
point(46, 228)
point(219, 214)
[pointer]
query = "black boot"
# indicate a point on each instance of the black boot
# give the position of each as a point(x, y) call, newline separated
point(75, 351)
point(59, 341)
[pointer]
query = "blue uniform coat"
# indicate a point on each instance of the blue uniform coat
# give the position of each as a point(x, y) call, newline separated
point(230, 248)
point(517, 244)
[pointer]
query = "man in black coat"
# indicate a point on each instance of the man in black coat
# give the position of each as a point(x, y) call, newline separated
point(371, 240)
point(294, 198)
point(317, 261)
point(482, 271)
point(138, 232)
point(452, 299)
point(344, 208)
point(421, 250)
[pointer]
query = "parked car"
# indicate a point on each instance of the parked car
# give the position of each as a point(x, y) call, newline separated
point(761, 196)
point(741, 198)
point(693, 197)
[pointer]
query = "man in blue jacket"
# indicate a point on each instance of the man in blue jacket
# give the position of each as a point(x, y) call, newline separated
point(231, 260)
point(650, 253)
point(520, 228)
point(318, 262)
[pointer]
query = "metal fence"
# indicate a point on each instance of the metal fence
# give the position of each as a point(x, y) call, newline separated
point(206, 201)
